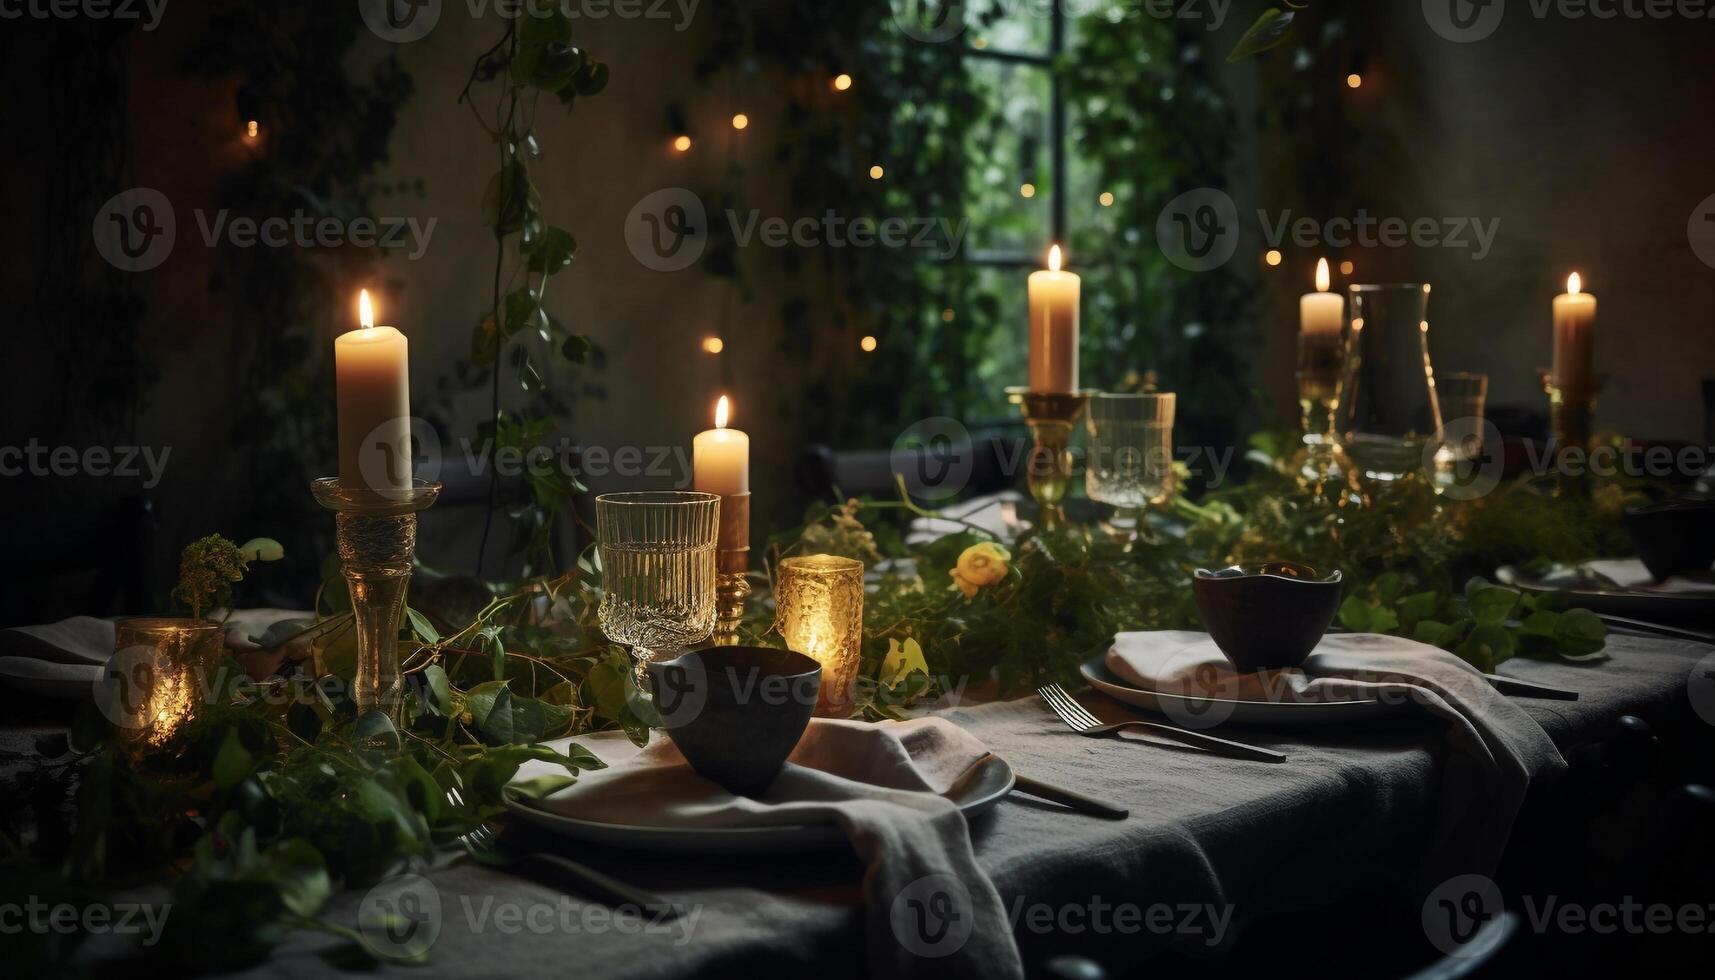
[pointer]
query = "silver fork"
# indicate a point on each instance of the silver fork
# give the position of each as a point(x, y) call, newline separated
point(483, 845)
point(1078, 719)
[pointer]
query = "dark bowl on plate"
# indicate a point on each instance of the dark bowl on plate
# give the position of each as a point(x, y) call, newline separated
point(1674, 538)
point(736, 713)
point(1267, 615)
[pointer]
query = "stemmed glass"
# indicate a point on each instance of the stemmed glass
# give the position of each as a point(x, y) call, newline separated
point(658, 571)
point(1130, 465)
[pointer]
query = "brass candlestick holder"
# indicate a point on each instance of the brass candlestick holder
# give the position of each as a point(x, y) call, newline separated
point(732, 567)
point(1051, 416)
point(376, 534)
point(1572, 419)
point(1321, 373)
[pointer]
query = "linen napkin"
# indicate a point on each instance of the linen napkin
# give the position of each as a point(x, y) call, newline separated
point(65, 659)
point(1496, 748)
point(1630, 573)
point(930, 907)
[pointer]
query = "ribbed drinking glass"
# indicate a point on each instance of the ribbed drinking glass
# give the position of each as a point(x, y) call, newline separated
point(658, 570)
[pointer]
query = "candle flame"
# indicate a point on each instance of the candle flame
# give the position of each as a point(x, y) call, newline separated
point(1054, 259)
point(365, 310)
point(1575, 284)
point(1322, 280)
point(722, 410)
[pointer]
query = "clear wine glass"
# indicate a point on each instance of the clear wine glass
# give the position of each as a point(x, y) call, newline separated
point(658, 570)
point(1130, 464)
point(1388, 408)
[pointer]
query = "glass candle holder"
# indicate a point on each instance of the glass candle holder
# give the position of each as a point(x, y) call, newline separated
point(157, 680)
point(819, 613)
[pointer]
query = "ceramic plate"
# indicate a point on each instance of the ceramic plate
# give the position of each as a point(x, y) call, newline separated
point(1275, 714)
point(979, 794)
point(1601, 595)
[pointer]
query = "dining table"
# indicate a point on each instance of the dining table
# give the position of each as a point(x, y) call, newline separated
point(1219, 861)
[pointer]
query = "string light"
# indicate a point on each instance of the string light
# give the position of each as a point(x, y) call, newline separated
point(714, 345)
point(252, 131)
point(1355, 80)
point(1027, 191)
point(1107, 199)
point(1346, 267)
point(875, 172)
point(740, 121)
point(682, 143)
point(868, 344)
point(842, 82)
point(1274, 257)
point(947, 315)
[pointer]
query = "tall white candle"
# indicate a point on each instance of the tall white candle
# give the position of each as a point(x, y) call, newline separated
point(1054, 298)
point(1322, 315)
point(373, 392)
point(1575, 341)
point(720, 457)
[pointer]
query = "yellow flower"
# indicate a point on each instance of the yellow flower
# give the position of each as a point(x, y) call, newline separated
point(980, 565)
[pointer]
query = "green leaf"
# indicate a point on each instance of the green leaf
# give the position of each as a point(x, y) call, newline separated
point(294, 867)
point(420, 788)
point(576, 348)
point(1580, 633)
point(440, 689)
point(1487, 647)
point(1491, 605)
point(552, 250)
point(421, 626)
point(1267, 31)
point(541, 786)
point(232, 763)
point(1361, 617)
point(1418, 606)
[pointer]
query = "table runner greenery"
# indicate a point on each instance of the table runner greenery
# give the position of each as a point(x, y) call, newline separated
point(267, 802)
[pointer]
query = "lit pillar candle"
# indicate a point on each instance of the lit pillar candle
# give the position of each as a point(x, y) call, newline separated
point(1321, 344)
point(1321, 314)
point(372, 368)
point(1575, 342)
point(720, 457)
point(1054, 297)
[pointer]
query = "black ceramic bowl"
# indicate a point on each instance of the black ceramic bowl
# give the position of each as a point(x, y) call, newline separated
point(736, 713)
point(1674, 538)
point(1267, 615)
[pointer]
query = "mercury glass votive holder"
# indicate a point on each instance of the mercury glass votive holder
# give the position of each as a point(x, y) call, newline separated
point(158, 679)
point(376, 536)
point(819, 613)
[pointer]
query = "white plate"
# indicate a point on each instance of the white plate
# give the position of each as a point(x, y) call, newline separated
point(1603, 596)
point(1278, 714)
point(980, 794)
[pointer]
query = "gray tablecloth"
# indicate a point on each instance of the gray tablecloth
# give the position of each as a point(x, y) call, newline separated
point(1211, 845)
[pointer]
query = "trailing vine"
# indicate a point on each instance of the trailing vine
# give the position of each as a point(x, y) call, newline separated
point(534, 57)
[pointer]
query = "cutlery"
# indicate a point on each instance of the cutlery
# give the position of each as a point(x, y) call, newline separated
point(1081, 721)
point(483, 845)
point(1656, 629)
point(975, 773)
point(1529, 689)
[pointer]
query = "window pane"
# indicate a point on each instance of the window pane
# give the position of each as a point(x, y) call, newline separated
point(1011, 187)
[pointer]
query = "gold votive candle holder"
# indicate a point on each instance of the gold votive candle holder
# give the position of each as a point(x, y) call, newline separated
point(1051, 417)
point(819, 613)
point(158, 679)
point(732, 565)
